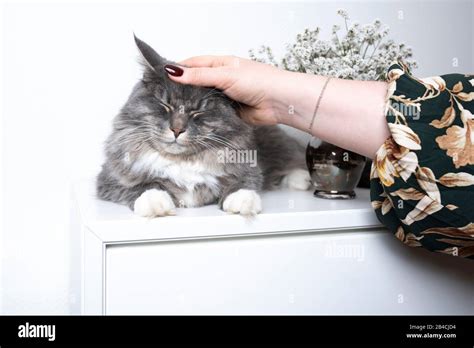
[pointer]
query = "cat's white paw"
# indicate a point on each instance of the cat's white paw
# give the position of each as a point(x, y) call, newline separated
point(153, 203)
point(297, 179)
point(245, 202)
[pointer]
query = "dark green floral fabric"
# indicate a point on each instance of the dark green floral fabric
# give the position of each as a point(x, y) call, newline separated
point(422, 178)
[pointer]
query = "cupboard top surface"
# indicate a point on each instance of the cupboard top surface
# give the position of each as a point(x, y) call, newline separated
point(283, 210)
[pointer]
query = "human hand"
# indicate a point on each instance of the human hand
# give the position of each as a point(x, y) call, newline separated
point(257, 86)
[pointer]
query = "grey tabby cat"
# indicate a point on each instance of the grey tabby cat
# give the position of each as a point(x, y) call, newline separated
point(180, 145)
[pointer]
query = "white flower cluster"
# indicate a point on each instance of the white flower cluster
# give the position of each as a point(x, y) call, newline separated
point(363, 52)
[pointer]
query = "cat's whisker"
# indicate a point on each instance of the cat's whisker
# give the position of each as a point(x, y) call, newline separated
point(218, 141)
point(206, 145)
point(223, 144)
point(133, 135)
point(138, 138)
point(213, 147)
point(130, 125)
point(218, 136)
point(223, 141)
point(136, 128)
point(232, 144)
point(131, 132)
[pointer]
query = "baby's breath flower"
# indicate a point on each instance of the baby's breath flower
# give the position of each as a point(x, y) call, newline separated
point(343, 13)
point(362, 53)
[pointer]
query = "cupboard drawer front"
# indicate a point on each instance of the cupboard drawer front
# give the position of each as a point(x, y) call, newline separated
point(365, 272)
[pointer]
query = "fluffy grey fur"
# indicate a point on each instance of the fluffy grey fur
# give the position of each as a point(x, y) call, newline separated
point(210, 123)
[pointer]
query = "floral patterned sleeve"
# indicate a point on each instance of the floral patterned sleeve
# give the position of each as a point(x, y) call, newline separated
point(422, 178)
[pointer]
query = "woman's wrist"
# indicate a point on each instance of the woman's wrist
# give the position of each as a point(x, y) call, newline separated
point(350, 113)
point(294, 98)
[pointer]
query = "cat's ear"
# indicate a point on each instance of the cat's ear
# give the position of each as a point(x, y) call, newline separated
point(152, 59)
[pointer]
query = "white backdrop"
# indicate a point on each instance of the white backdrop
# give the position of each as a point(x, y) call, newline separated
point(68, 68)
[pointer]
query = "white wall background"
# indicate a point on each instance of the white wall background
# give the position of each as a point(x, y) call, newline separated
point(67, 68)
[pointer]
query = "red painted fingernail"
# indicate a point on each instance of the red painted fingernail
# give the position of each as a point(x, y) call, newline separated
point(173, 70)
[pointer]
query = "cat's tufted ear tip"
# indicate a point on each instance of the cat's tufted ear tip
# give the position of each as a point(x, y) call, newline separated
point(140, 44)
point(152, 59)
point(136, 39)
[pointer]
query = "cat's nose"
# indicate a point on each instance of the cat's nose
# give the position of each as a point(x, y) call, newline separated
point(177, 131)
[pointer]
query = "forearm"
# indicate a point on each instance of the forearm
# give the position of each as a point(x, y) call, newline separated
point(350, 114)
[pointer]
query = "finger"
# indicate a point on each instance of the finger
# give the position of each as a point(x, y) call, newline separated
point(207, 77)
point(206, 61)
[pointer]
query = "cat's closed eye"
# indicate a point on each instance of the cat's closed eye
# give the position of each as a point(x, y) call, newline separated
point(166, 106)
point(196, 114)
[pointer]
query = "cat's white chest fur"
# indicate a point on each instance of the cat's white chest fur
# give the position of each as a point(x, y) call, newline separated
point(185, 174)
